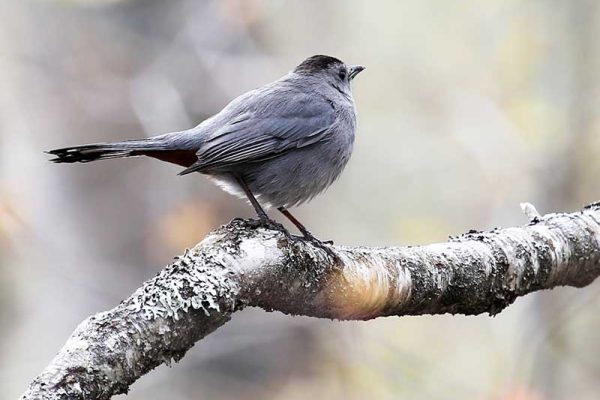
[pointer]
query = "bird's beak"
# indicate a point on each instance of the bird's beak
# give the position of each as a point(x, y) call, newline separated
point(355, 70)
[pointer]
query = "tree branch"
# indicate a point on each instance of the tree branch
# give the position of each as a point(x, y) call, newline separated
point(240, 265)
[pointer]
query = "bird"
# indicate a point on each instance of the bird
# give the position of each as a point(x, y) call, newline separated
point(278, 145)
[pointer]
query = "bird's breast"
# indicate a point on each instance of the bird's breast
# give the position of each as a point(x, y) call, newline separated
point(297, 176)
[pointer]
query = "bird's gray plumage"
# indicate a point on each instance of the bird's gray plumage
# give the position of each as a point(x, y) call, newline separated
point(288, 140)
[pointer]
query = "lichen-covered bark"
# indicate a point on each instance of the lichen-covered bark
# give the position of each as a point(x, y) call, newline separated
point(157, 324)
point(240, 265)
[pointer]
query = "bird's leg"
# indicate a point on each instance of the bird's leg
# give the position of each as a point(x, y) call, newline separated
point(305, 232)
point(262, 215)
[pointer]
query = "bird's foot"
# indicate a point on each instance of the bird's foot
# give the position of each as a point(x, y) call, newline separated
point(322, 244)
point(311, 238)
point(268, 223)
point(306, 235)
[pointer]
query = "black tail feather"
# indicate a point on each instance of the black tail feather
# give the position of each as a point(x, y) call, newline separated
point(88, 153)
point(103, 151)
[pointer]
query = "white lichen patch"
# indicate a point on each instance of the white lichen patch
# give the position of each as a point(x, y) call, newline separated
point(255, 251)
point(251, 254)
point(189, 282)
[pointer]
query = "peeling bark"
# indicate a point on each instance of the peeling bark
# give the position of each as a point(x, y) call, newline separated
point(240, 265)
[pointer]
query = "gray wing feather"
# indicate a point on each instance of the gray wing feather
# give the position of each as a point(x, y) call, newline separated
point(267, 129)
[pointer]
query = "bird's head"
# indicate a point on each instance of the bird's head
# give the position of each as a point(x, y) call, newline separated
point(330, 69)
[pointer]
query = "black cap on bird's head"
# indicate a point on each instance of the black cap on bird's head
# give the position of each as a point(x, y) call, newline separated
point(317, 63)
point(321, 63)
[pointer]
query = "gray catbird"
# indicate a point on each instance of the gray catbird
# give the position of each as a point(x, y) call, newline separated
point(279, 145)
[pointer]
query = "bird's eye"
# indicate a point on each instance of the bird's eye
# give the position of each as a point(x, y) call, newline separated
point(342, 74)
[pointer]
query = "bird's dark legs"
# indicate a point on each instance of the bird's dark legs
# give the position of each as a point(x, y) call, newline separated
point(305, 232)
point(262, 215)
point(265, 220)
point(294, 221)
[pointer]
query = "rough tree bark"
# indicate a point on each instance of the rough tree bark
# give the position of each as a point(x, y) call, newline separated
point(241, 265)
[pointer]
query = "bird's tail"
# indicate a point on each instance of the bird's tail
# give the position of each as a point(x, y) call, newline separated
point(103, 151)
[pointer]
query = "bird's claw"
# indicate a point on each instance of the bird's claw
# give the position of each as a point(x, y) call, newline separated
point(271, 225)
point(309, 236)
point(322, 244)
point(306, 235)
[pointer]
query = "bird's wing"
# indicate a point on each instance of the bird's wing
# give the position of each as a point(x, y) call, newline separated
point(267, 129)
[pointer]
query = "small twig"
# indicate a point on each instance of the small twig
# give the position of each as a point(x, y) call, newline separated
point(530, 211)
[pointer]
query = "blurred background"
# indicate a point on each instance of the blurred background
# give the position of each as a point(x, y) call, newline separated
point(466, 109)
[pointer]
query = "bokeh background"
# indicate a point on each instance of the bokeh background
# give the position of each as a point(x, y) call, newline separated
point(466, 109)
